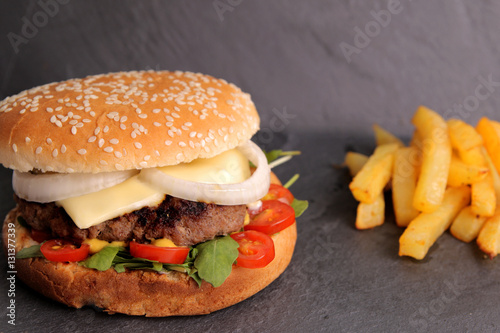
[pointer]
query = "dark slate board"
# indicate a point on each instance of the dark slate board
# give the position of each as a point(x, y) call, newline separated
point(289, 56)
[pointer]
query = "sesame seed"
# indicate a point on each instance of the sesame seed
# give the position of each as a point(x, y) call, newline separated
point(123, 127)
point(97, 130)
point(27, 139)
point(143, 116)
point(192, 134)
point(73, 122)
point(182, 144)
point(63, 149)
point(49, 141)
point(143, 164)
point(157, 124)
point(119, 166)
point(38, 150)
point(100, 143)
point(168, 142)
point(147, 157)
point(92, 138)
point(137, 145)
point(106, 129)
point(108, 149)
point(55, 152)
point(14, 148)
point(118, 154)
point(156, 110)
point(157, 153)
point(103, 162)
point(123, 119)
point(114, 141)
point(81, 151)
point(73, 130)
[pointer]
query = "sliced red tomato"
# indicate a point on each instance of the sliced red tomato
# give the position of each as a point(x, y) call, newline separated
point(256, 249)
point(272, 217)
point(40, 236)
point(166, 255)
point(63, 251)
point(278, 192)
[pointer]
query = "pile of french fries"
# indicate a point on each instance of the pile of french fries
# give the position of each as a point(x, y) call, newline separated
point(447, 178)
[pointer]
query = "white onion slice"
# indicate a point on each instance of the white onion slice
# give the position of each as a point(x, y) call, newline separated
point(247, 191)
point(58, 186)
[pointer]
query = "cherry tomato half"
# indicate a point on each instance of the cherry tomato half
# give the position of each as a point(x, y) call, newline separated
point(272, 217)
point(278, 192)
point(256, 249)
point(62, 250)
point(40, 236)
point(166, 255)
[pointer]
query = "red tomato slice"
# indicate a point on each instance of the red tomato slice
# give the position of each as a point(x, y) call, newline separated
point(62, 250)
point(272, 217)
point(40, 236)
point(256, 249)
point(278, 192)
point(166, 255)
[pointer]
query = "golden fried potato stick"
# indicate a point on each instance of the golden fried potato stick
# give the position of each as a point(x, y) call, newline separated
point(383, 136)
point(404, 182)
point(464, 174)
point(436, 157)
point(426, 228)
point(371, 215)
point(488, 239)
point(491, 140)
point(355, 162)
point(375, 174)
point(467, 225)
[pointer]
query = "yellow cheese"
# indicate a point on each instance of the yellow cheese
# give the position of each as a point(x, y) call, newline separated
point(163, 242)
point(230, 167)
point(97, 245)
point(91, 209)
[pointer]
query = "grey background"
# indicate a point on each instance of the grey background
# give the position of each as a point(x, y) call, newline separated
point(311, 97)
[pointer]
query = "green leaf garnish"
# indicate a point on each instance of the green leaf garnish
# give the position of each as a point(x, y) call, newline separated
point(30, 252)
point(299, 206)
point(215, 259)
point(102, 260)
point(291, 181)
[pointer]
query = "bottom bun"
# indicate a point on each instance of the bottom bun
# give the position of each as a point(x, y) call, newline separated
point(144, 292)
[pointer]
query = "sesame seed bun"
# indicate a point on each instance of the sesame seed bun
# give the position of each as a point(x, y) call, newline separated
point(126, 120)
point(143, 292)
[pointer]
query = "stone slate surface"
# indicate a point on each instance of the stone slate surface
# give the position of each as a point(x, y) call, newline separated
point(321, 73)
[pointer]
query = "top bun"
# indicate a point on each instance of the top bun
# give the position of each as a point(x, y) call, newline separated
point(125, 120)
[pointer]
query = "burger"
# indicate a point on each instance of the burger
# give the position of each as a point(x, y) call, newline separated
point(141, 193)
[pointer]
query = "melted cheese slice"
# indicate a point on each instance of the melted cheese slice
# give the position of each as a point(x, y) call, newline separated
point(230, 167)
point(91, 209)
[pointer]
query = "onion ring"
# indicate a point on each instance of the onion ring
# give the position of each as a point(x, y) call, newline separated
point(245, 192)
point(50, 187)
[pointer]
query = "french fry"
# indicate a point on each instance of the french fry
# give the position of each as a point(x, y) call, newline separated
point(416, 140)
point(473, 156)
point(494, 175)
point(436, 157)
point(404, 182)
point(488, 239)
point(354, 162)
point(463, 136)
point(463, 174)
point(426, 228)
point(375, 174)
point(483, 198)
point(383, 136)
point(467, 225)
point(491, 140)
point(371, 215)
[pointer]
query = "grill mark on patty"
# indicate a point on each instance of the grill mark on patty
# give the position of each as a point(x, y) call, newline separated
point(184, 222)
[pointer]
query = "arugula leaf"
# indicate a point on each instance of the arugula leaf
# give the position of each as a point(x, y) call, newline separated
point(273, 155)
point(299, 206)
point(30, 252)
point(102, 260)
point(215, 259)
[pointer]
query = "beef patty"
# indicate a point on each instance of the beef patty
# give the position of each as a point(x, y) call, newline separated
point(184, 222)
